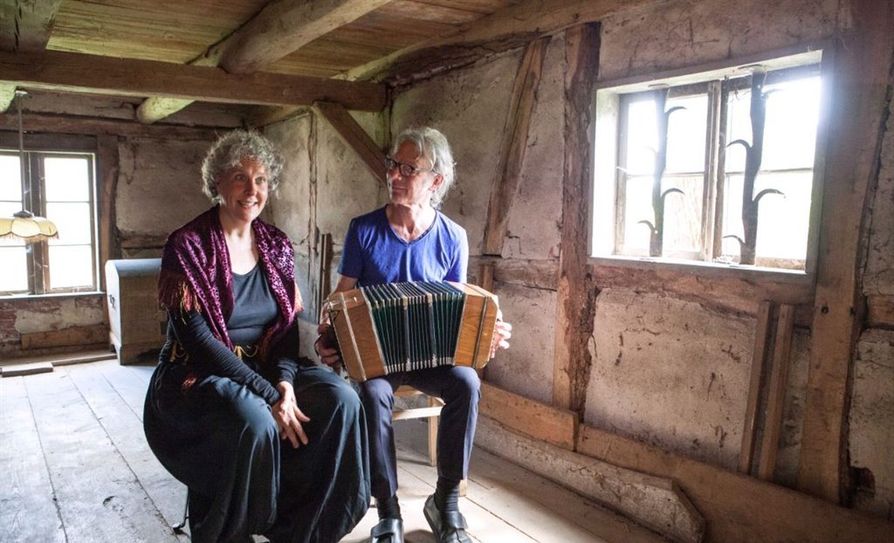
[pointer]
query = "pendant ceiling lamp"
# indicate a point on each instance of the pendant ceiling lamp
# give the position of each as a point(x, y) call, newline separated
point(24, 224)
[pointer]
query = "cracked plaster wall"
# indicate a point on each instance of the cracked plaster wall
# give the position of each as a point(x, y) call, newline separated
point(470, 107)
point(159, 189)
point(683, 33)
point(871, 421)
point(324, 185)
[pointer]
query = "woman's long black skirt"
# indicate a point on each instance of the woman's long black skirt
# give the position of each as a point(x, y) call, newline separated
point(221, 441)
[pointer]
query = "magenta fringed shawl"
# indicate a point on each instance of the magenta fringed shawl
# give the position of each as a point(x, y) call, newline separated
point(196, 276)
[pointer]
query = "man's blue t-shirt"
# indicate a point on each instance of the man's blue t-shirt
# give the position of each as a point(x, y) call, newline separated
point(374, 254)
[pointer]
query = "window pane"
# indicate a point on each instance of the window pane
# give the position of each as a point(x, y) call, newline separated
point(638, 207)
point(14, 270)
point(641, 138)
point(683, 215)
point(792, 114)
point(790, 129)
point(10, 178)
point(71, 266)
point(73, 222)
point(686, 133)
point(783, 221)
point(738, 128)
point(732, 217)
point(6, 210)
point(67, 179)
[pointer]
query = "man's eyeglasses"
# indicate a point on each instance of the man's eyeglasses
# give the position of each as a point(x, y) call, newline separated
point(406, 170)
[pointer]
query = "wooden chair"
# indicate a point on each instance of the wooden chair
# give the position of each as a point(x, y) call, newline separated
point(432, 412)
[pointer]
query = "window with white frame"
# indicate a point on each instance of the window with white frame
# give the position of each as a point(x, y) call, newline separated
point(714, 167)
point(59, 186)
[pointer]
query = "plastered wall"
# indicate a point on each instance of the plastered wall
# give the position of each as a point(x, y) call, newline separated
point(871, 418)
point(324, 185)
point(666, 370)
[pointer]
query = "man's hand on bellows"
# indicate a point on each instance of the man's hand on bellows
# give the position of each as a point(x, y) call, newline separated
point(288, 417)
point(325, 346)
point(502, 335)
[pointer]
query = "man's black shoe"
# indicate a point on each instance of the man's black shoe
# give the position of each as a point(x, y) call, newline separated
point(449, 527)
point(388, 530)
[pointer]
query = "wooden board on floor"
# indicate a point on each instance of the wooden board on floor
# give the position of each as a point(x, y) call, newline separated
point(125, 428)
point(99, 497)
point(28, 512)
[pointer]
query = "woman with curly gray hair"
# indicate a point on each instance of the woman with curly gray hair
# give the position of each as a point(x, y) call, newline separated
point(230, 385)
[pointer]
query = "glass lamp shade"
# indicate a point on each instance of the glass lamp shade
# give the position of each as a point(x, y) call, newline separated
point(26, 226)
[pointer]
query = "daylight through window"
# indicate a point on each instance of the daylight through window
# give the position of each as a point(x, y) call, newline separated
point(58, 186)
point(715, 167)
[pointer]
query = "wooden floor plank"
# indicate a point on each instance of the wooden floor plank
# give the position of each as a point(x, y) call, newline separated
point(548, 511)
point(99, 498)
point(125, 429)
point(27, 510)
point(110, 487)
point(130, 382)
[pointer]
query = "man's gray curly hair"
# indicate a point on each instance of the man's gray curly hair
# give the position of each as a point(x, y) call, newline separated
point(230, 149)
point(432, 145)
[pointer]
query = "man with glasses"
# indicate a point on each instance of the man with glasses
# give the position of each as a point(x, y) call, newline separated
point(411, 240)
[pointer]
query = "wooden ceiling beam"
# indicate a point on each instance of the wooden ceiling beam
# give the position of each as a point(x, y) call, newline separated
point(25, 25)
point(276, 31)
point(7, 95)
point(284, 26)
point(505, 29)
point(131, 77)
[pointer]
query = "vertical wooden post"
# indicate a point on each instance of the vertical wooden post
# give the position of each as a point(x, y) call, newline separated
point(576, 295)
point(515, 144)
point(858, 89)
point(758, 361)
point(776, 392)
point(107, 173)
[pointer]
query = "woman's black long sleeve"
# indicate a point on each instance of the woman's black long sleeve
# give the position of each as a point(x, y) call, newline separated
point(284, 355)
point(212, 357)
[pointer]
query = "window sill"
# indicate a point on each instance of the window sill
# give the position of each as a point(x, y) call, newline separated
point(708, 269)
point(55, 295)
point(729, 288)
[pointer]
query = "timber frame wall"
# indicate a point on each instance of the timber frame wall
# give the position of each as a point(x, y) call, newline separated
point(861, 61)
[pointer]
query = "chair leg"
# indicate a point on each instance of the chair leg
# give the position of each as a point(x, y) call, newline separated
point(433, 434)
point(178, 528)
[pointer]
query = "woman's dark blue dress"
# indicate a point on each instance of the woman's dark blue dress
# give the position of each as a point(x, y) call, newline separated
point(208, 420)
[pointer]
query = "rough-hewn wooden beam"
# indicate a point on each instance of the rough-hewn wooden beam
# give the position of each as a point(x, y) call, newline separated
point(738, 508)
point(25, 25)
point(281, 28)
point(556, 426)
point(156, 108)
point(541, 274)
point(7, 95)
point(66, 124)
point(514, 146)
point(576, 297)
point(859, 81)
point(782, 351)
point(505, 29)
point(355, 137)
point(758, 361)
point(286, 25)
point(131, 77)
point(722, 289)
point(108, 168)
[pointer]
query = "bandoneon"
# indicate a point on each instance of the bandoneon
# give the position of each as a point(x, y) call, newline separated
point(388, 328)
